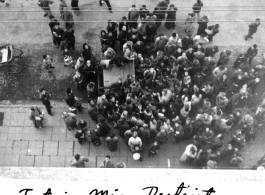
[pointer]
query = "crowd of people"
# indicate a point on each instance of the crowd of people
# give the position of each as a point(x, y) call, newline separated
point(179, 91)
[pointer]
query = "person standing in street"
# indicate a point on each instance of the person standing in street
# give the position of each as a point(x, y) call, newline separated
point(171, 17)
point(79, 161)
point(108, 4)
point(107, 163)
point(37, 116)
point(133, 16)
point(251, 53)
point(253, 27)
point(44, 97)
point(67, 16)
point(202, 22)
point(47, 62)
point(197, 8)
point(58, 34)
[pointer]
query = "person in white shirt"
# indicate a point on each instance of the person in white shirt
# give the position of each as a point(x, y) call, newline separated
point(200, 39)
point(135, 141)
point(174, 39)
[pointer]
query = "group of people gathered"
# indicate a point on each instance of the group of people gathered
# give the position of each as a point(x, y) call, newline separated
point(181, 90)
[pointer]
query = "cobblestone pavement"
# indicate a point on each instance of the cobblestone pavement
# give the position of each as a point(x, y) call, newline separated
point(21, 144)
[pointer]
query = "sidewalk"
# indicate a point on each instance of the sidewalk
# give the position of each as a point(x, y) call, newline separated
point(23, 145)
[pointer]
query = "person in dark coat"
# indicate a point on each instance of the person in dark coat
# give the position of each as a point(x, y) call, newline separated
point(70, 38)
point(197, 8)
point(143, 12)
point(253, 84)
point(251, 53)
point(111, 40)
point(124, 22)
point(123, 37)
point(95, 137)
point(186, 42)
point(87, 52)
point(242, 58)
point(103, 127)
point(112, 142)
point(53, 22)
point(112, 27)
point(214, 29)
point(151, 32)
point(253, 27)
point(211, 51)
point(58, 34)
point(72, 101)
point(160, 11)
point(80, 135)
point(202, 25)
point(44, 97)
point(139, 47)
point(171, 17)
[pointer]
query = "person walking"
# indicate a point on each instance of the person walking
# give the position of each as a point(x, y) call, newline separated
point(101, 2)
point(197, 8)
point(44, 97)
point(253, 27)
point(62, 5)
point(36, 116)
point(211, 31)
point(107, 163)
point(58, 34)
point(79, 161)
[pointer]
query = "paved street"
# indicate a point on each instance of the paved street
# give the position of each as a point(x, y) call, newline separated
point(23, 145)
